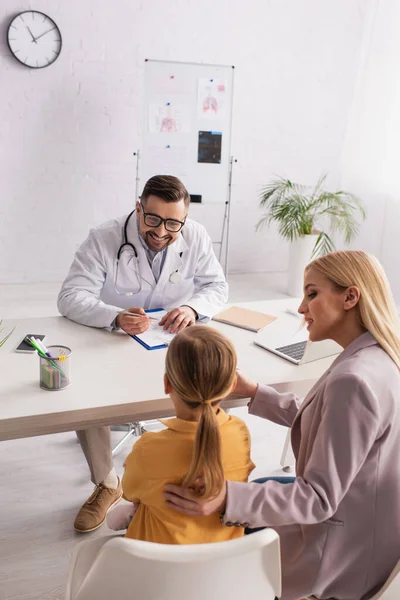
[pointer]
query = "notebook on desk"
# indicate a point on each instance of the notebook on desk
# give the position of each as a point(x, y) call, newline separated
point(244, 318)
point(155, 337)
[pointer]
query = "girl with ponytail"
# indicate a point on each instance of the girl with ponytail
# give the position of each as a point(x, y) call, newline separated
point(199, 449)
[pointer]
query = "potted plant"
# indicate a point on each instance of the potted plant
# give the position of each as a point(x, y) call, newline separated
point(302, 213)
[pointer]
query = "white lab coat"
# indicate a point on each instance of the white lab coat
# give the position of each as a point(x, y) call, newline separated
point(88, 294)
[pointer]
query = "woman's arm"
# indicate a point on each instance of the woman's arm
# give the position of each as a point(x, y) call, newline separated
point(266, 402)
point(348, 429)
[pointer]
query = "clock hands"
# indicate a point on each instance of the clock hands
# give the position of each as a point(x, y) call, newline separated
point(42, 34)
point(32, 36)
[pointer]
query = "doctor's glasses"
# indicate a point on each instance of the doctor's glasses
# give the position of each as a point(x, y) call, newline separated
point(171, 225)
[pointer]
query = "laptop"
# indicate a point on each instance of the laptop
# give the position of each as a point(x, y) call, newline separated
point(287, 338)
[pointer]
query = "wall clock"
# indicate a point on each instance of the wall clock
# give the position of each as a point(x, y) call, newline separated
point(34, 39)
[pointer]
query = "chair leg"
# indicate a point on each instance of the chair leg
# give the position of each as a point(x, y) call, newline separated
point(287, 458)
point(136, 428)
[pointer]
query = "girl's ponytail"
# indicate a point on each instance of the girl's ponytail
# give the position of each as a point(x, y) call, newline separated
point(201, 367)
point(206, 474)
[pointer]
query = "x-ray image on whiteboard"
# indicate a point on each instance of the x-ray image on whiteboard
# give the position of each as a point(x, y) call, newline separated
point(210, 144)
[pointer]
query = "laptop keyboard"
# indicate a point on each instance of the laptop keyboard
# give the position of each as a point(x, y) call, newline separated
point(295, 351)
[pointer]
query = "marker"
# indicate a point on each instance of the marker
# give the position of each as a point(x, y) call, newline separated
point(33, 343)
point(42, 347)
point(42, 351)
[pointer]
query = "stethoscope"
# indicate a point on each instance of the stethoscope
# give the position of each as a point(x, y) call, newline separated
point(175, 277)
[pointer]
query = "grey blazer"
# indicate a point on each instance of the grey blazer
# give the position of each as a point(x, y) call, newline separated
point(339, 522)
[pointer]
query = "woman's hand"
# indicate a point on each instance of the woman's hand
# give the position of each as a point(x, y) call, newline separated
point(245, 386)
point(184, 501)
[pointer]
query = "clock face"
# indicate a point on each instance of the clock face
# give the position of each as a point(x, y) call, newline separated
point(34, 39)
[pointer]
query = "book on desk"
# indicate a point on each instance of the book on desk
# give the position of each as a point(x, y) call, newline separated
point(251, 320)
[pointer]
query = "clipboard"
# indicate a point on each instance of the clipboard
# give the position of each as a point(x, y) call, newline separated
point(154, 339)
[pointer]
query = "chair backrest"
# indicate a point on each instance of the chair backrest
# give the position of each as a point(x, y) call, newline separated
point(125, 569)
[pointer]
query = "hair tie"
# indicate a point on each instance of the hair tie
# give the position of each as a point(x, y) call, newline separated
point(209, 401)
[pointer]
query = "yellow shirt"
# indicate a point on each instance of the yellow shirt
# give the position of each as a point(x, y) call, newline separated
point(164, 457)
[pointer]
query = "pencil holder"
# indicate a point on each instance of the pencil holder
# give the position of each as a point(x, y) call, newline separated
point(55, 370)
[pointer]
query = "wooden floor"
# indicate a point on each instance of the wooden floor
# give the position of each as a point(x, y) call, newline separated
point(44, 480)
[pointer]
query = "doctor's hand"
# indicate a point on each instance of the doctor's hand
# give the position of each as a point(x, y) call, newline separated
point(177, 319)
point(133, 321)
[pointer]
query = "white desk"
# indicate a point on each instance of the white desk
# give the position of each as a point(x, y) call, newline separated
point(114, 379)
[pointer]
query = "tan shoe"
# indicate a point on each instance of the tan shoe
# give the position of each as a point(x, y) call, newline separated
point(93, 513)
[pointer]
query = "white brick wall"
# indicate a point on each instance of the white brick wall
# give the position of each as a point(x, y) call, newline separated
point(67, 132)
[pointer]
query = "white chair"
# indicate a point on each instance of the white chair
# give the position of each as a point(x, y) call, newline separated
point(391, 589)
point(118, 568)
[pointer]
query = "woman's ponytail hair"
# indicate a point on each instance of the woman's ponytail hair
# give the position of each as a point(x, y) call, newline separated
point(201, 367)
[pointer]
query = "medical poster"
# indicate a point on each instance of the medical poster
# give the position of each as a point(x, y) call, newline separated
point(210, 146)
point(211, 98)
point(169, 118)
point(169, 160)
point(171, 83)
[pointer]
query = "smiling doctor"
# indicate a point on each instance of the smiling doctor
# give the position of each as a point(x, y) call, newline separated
point(153, 258)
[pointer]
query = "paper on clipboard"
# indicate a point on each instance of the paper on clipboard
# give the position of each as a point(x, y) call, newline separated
point(155, 337)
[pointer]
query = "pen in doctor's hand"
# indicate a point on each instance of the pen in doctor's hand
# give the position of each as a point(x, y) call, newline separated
point(133, 320)
point(134, 314)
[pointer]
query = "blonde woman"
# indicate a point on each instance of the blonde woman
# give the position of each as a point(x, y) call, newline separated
point(200, 448)
point(339, 520)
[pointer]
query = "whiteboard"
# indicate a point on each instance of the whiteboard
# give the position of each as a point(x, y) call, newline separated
point(187, 133)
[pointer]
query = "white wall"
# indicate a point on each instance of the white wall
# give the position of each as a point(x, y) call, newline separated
point(67, 132)
point(372, 143)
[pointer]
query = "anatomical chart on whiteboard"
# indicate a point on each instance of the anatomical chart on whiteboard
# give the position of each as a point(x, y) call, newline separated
point(169, 160)
point(211, 98)
point(169, 118)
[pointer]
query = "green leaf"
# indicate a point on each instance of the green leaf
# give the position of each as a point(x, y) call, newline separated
point(3, 341)
point(323, 245)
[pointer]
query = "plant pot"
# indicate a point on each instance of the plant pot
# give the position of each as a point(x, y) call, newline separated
point(299, 257)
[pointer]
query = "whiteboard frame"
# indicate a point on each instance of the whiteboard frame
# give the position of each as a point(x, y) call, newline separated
point(220, 226)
